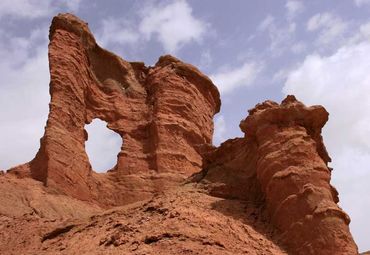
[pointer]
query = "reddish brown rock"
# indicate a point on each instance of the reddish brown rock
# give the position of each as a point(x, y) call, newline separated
point(183, 221)
point(295, 179)
point(259, 194)
point(281, 164)
point(163, 114)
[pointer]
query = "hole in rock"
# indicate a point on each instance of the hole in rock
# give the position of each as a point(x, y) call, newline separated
point(102, 146)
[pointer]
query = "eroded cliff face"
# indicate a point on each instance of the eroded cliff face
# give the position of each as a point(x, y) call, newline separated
point(295, 179)
point(281, 164)
point(270, 188)
point(164, 115)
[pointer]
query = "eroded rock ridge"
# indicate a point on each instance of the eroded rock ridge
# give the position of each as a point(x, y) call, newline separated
point(271, 187)
point(164, 115)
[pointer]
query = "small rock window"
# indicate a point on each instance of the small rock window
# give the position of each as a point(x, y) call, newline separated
point(102, 146)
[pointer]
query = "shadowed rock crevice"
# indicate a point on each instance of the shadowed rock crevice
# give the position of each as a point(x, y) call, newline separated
point(57, 232)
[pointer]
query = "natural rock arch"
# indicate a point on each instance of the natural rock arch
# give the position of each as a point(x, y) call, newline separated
point(163, 113)
point(102, 146)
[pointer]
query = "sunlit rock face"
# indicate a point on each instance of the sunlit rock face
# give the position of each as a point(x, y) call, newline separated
point(164, 115)
point(295, 179)
point(281, 163)
point(266, 193)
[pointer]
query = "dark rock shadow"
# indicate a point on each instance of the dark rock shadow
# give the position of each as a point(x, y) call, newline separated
point(252, 214)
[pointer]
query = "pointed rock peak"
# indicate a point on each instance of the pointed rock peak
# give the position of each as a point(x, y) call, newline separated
point(167, 60)
point(72, 24)
point(290, 99)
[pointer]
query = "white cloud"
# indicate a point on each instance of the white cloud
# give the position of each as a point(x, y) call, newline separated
point(117, 31)
point(72, 5)
point(363, 34)
point(351, 176)
point(23, 96)
point(293, 7)
point(24, 8)
point(172, 25)
point(102, 146)
point(220, 130)
point(360, 3)
point(298, 47)
point(280, 75)
point(281, 37)
point(341, 82)
point(365, 30)
point(229, 80)
point(319, 20)
point(35, 9)
point(266, 23)
point(330, 27)
point(205, 60)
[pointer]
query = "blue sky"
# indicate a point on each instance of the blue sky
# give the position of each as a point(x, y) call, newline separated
point(253, 51)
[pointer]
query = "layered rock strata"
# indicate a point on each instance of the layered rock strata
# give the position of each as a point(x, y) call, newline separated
point(295, 179)
point(278, 172)
point(164, 115)
point(282, 165)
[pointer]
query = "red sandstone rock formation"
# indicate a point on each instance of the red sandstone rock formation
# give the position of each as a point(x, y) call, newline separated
point(281, 163)
point(259, 194)
point(163, 114)
point(295, 179)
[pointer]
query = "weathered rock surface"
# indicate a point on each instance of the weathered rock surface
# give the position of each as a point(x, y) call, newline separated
point(295, 179)
point(282, 163)
point(171, 191)
point(28, 210)
point(163, 114)
point(183, 221)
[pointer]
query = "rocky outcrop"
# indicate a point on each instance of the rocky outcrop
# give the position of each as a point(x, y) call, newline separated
point(281, 164)
point(295, 179)
point(263, 193)
point(163, 114)
point(182, 221)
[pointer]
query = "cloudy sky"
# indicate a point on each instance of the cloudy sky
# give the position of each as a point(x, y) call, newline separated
point(253, 50)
